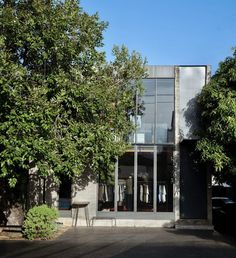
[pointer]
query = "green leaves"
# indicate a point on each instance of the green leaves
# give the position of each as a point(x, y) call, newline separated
point(63, 107)
point(211, 151)
point(40, 223)
point(218, 102)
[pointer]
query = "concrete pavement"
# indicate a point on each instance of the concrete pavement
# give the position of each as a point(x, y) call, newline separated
point(124, 242)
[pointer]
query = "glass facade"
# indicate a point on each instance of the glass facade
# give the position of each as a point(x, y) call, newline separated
point(125, 188)
point(164, 178)
point(144, 176)
point(145, 181)
point(154, 116)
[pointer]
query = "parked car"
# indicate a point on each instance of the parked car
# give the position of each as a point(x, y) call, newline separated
point(219, 202)
point(224, 217)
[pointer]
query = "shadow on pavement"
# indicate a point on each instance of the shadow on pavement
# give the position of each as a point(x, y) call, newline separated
point(125, 242)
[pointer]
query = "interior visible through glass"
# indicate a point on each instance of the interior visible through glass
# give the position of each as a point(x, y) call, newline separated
point(106, 196)
point(154, 121)
point(145, 181)
point(165, 179)
point(125, 191)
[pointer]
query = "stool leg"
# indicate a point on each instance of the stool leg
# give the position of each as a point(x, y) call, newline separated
point(87, 216)
point(73, 214)
point(76, 218)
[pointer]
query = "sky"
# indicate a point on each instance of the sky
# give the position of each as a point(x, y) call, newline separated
point(169, 32)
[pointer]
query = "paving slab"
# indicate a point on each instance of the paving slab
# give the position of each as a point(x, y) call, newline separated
point(124, 242)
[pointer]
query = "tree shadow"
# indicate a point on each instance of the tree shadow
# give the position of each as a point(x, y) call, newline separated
point(206, 235)
point(191, 115)
point(81, 182)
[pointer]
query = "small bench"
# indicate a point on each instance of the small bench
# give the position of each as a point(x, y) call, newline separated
point(112, 219)
point(11, 228)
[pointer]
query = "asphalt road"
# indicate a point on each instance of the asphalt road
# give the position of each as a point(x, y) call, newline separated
point(124, 242)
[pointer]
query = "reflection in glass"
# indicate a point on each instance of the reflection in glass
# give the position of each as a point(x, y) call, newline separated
point(165, 111)
point(165, 179)
point(154, 119)
point(145, 181)
point(165, 123)
point(145, 120)
point(165, 86)
point(125, 191)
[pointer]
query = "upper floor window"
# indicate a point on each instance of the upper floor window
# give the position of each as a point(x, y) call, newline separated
point(154, 116)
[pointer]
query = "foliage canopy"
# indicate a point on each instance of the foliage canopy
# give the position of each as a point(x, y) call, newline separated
point(64, 108)
point(218, 102)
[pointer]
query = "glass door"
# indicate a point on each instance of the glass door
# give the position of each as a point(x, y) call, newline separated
point(145, 181)
point(125, 187)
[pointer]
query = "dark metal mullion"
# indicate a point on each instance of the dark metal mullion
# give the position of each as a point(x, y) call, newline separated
point(155, 157)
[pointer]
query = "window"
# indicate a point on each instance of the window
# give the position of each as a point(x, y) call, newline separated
point(144, 182)
point(144, 176)
point(154, 116)
point(164, 178)
point(125, 187)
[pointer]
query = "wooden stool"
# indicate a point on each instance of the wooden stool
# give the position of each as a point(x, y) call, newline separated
point(77, 206)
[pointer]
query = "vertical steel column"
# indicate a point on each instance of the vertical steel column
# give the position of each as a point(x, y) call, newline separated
point(155, 155)
point(135, 177)
point(116, 185)
point(155, 115)
point(155, 179)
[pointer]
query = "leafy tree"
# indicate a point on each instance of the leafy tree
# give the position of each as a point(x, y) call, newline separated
point(218, 102)
point(64, 108)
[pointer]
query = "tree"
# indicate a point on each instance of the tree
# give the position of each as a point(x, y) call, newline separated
point(64, 108)
point(218, 103)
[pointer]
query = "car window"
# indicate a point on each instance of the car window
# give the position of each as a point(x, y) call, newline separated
point(217, 203)
point(228, 201)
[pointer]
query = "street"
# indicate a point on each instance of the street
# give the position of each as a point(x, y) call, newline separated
point(124, 242)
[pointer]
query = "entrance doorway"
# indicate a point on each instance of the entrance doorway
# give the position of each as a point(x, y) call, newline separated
point(65, 193)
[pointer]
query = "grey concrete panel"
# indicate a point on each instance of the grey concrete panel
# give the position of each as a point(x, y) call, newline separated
point(156, 71)
point(191, 82)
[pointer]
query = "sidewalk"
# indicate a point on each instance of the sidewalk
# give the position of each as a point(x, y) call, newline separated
point(125, 242)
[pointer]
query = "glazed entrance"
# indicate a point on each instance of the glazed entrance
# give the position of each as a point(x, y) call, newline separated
point(143, 182)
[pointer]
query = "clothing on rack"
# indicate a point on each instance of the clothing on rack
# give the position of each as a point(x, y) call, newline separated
point(162, 193)
point(110, 193)
point(105, 193)
point(144, 193)
point(121, 192)
point(141, 193)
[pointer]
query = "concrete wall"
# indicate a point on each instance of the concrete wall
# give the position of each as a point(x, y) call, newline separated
point(191, 81)
point(36, 187)
point(85, 194)
point(176, 154)
point(161, 71)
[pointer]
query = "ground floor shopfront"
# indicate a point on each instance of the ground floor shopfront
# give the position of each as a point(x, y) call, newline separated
point(142, 193)
point(156, 182)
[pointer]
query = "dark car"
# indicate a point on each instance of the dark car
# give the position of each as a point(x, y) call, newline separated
point(219, 202)
point(224, 218)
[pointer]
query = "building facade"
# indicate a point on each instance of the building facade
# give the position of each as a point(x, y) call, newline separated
point(156, 182)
